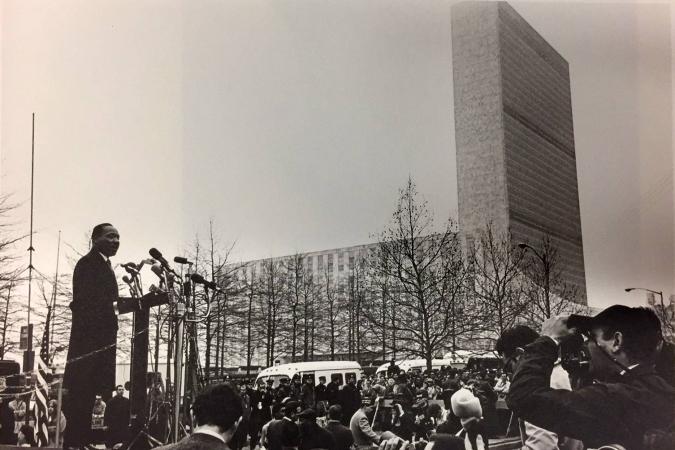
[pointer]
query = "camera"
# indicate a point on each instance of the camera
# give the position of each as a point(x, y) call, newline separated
point(574, 355)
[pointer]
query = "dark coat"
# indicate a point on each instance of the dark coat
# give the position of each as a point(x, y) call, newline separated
point(282, 433)
point(602, 413)
point(7, 435)
point(341, 435)
point(117, 413)
point(320, 393)
point(197, 441)
point(332, 392)
point(94, 329)
point(404, 427)
point(313, 436)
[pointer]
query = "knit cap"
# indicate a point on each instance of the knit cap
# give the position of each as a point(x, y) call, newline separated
point(466, 406)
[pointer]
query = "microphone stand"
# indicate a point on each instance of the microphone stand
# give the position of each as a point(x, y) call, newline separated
point(179, 327)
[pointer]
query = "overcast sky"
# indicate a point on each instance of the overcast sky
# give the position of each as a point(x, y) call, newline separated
point(293, 123)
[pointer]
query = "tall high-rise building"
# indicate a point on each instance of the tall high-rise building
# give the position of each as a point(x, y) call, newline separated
point(515, 138)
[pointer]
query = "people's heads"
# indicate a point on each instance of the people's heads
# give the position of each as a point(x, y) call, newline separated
point(391, 382)
point(322, 380)
point(307, 415)
point(397, 409)
point(290, 409)
point(220, 406)
point(435, 410)
point(625, 335)
point(98, 400)
point(51, 407)
point(309, 381)
point(466, 407)
point(511, 343)
point(105, 239)
point(119, 390)
point(335, 412)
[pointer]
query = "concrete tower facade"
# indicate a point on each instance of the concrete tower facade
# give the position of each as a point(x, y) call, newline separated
point(515, 137)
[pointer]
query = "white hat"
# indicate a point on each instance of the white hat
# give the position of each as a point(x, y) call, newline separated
point(466, 406)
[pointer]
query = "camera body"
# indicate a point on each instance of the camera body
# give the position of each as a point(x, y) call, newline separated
point(574, 355)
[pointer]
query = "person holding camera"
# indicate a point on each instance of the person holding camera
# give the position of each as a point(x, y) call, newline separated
point(627, 399)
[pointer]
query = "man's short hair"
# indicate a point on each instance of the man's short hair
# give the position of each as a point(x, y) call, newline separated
point(639, 326)
point(218, 405)
point(98, 230)
point(119, 386)
point(513, 338)
point(335, 412)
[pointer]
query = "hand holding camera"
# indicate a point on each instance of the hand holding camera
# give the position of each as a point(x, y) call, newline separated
point(556, 328)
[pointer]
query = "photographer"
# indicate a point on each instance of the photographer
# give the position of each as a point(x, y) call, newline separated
point(631, 400)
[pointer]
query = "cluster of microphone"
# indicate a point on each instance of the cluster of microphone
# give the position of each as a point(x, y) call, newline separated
point(161, 267)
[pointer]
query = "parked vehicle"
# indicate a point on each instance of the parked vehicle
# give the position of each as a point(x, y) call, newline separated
point(341, 370)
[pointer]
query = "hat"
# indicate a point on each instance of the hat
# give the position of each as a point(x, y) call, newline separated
point(466, 406)
point(308, 414)
point(290, 405)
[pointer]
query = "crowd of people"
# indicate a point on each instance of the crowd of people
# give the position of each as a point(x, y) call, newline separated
point(623, 401)
point(409, 405)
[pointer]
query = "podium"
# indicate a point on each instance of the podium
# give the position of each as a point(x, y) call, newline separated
point(138, 394)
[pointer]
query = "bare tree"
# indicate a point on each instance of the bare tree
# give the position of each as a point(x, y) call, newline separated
point(496, 282)
point(272, 285)
point(332, 308)
point(427, 270)
point(547, 291)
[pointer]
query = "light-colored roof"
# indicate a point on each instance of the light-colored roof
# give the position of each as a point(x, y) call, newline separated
point(293, 368)
point(406, 364)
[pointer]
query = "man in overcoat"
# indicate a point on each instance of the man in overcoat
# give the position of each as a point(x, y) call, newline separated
point(90, 368)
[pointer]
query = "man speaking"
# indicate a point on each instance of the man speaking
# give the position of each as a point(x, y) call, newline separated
point(90, 369)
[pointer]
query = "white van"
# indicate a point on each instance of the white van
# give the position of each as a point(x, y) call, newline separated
point(416, 365)
point(341, 370)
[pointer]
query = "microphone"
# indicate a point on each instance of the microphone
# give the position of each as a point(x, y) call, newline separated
point(196, 278)
point(148, 261)
point(128, 281)
point(157, 270)
point(181, 260)
point(131, 268)
point(156, 254)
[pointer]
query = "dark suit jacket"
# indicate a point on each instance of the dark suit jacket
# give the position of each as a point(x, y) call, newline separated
point(602, 413)
point(94, 324)
point(93, 336)
point(341, 435)
point(282, 433)
point(313, 436)
point(197, 441)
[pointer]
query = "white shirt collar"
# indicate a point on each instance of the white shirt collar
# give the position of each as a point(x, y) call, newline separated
point(210, 433)
point(105, 258)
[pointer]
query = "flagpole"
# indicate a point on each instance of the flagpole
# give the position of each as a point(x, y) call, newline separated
point(28, 360)
point(53, 305)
